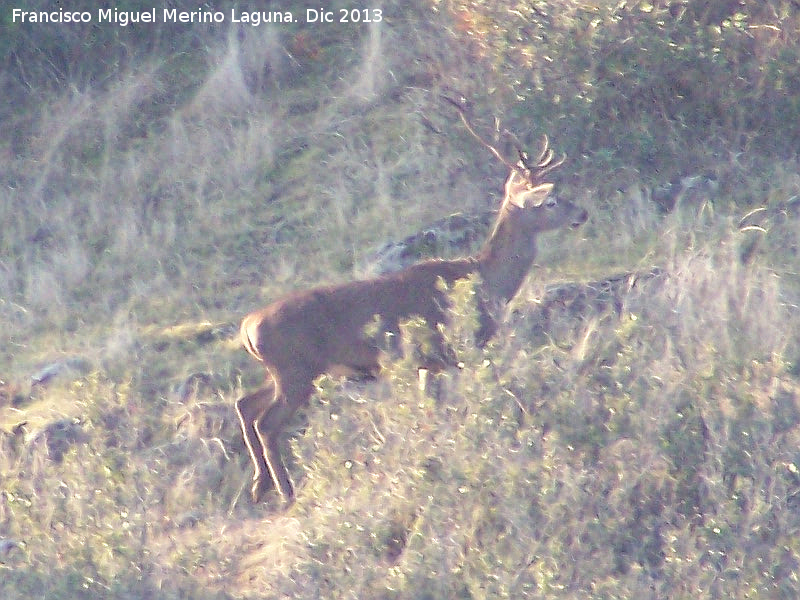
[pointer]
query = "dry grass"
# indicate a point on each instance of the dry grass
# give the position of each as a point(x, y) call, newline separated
point(642, 444)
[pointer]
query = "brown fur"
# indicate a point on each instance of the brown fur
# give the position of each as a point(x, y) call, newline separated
point(308, 333)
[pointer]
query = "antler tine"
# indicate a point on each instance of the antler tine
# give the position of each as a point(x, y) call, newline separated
point(536, 169)
point(547, 159)
point(545, 153)
point(523, 156)
point(544, 163)
point(492, 149)
point(543, 170)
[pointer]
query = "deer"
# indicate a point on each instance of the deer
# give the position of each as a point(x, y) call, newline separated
point(322, 330)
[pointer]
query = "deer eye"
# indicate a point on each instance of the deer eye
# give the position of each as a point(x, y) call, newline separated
point(550, 201)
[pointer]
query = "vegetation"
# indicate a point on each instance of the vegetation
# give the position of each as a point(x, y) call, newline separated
point(159, 182)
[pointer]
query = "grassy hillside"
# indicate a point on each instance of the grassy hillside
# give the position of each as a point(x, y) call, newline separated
point(624, 436)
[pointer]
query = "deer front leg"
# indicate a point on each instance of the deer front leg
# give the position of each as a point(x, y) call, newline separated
point(487, 325)
point(250, 409)
point(391, 333)
point(442, 356)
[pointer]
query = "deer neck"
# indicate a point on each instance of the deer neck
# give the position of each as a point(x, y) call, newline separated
point(505, 259)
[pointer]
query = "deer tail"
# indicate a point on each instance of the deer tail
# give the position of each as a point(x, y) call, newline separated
point(248, 333)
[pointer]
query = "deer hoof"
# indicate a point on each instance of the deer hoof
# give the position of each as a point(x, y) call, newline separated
point(260, 486)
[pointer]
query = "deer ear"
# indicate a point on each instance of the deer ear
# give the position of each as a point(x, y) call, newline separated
point(533, 197)
point(514, 184)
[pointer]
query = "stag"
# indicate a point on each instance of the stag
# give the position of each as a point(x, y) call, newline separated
point(322, 330)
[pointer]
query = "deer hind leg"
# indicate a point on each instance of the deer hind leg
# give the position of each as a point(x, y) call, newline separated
point(268, 429)
point(250, 409)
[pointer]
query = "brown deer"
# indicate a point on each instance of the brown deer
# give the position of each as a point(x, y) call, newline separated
point(322, 330)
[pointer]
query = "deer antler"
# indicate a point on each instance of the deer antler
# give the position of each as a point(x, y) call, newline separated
point(543, 163)
point(531, 171)
point(492, 149)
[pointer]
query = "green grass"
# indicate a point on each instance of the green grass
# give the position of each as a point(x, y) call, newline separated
point(637, 440)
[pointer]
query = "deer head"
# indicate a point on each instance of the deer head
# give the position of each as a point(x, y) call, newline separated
point(530, 206)
point(541, 208)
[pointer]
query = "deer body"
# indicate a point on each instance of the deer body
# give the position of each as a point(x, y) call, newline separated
point(308, 333)
point(323, 328)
